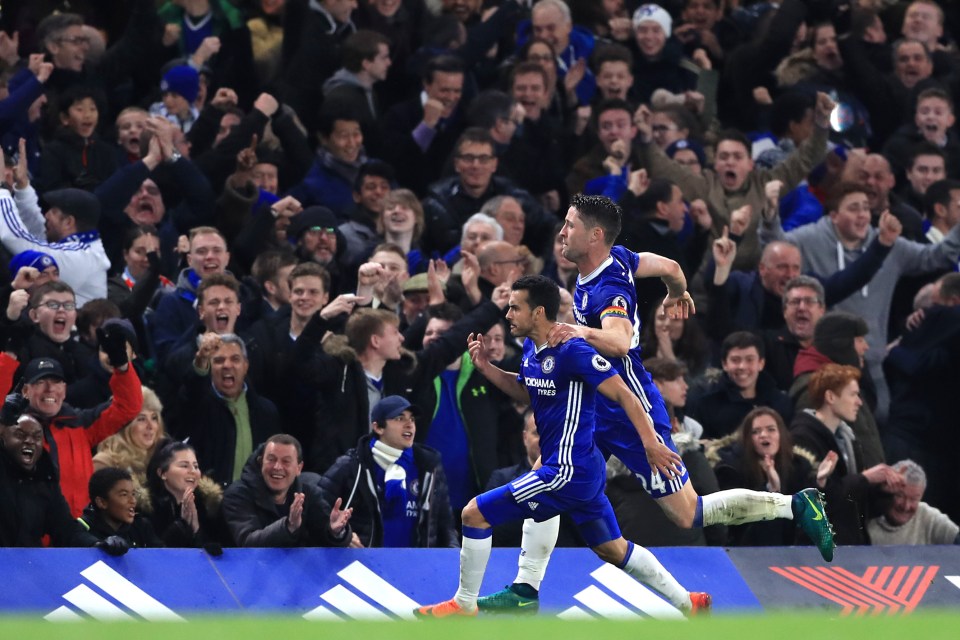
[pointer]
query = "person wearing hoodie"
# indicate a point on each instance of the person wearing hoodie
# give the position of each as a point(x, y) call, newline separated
point(113, 510)
point(840, 338)
point(854, 487)
point(397, 489)
point(276, 504)
point(842, 237)
point(366, 61)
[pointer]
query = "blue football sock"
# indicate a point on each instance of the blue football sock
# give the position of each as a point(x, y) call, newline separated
point(698, 514)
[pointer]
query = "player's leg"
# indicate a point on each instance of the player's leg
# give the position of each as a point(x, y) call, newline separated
point(603, 535)
point(686, 509)
point(474, 555)
point(537, 544)
point(493, 507)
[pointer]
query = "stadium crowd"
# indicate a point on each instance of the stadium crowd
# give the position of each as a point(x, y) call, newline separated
point(244, 243)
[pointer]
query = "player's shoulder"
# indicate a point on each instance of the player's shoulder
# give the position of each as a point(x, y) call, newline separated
point(579, 355)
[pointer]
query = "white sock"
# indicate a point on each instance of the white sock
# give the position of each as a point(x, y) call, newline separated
point(474, 555)
point(539, 539)
point(739, 506)
point(643, 566)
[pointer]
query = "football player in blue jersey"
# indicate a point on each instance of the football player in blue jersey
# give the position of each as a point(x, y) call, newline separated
point(606, 313)
point(561, 383)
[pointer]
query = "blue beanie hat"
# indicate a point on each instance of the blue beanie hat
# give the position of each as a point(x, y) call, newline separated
point(183, 80)
point(36, 259)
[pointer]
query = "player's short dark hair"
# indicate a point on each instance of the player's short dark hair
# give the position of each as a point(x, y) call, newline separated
point(541, 292)
point(362, 45)
point(660, 190)
point(790, 106)
point(599, 211)
point(938, 193)
point(741, 340)
point(102, 481)
point(377, 168)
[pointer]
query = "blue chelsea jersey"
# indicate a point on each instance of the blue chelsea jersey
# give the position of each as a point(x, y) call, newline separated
point(609, 291)
point(562, 382)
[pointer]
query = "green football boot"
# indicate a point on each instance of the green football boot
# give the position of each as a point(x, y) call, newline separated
point(508, 600)
point(810, 514)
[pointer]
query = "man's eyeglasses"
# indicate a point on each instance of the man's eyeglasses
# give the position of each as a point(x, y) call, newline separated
point(325, 230)
point(469, 158)
point(53, 305)
point(796, 302)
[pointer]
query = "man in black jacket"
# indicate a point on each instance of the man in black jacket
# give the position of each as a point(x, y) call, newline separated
point(396, 489)
point(31, 503)
point(223, 417)
point(273, 483)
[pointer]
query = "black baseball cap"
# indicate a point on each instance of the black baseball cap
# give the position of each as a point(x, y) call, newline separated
point(40, 368)
point(82, 205)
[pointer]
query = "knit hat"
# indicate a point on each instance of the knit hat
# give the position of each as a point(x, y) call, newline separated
point(694, 146)
point(653, 13)
point(834, 335)
point(183, 80)
point(36, 259)
point(311, 218)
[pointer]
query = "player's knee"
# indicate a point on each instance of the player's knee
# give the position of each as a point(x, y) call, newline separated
point(471, 516)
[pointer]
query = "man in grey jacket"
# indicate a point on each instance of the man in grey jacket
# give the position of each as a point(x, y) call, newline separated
point(840, 238)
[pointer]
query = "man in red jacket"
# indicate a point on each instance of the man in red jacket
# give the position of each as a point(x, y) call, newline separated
point(71, 434)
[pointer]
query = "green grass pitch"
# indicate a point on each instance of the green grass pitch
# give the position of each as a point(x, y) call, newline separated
point(936, 625)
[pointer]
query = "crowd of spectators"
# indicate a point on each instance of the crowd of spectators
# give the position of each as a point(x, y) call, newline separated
point(244, 243)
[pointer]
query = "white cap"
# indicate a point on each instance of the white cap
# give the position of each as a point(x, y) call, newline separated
point(653, 13)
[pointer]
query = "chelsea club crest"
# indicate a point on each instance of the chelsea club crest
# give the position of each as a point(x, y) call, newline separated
point(548, 364)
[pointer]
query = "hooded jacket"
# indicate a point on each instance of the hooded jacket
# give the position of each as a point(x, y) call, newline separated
point(32, 506)
point(254, 520)
point(353, 479)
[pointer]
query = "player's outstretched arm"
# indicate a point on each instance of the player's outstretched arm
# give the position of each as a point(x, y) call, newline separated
point(503, 380)
point(611, 340)
point(660, 457)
